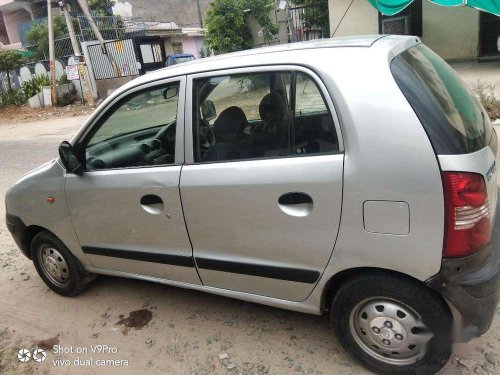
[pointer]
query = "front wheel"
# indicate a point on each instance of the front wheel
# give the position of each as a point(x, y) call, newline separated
point(57, 267)
point(392, 324)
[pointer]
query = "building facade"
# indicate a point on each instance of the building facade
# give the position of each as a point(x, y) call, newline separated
point(12, 13)
point(187, 15)
point(455, 33)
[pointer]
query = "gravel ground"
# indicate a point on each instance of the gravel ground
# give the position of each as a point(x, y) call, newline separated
point(156, 328)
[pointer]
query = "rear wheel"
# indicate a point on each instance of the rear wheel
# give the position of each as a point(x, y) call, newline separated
point(57, 267)
point(392, 324)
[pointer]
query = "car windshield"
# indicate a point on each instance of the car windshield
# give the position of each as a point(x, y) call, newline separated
point(178, 60)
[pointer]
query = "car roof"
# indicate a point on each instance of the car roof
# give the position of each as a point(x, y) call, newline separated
point(388, 43)
point(384, 46)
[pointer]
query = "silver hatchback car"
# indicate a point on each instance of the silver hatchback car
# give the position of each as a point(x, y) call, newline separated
point(352, 175)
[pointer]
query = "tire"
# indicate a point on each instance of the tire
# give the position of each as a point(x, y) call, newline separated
point(374, 307)
point(61, 270)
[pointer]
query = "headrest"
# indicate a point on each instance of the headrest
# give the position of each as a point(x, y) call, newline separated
point(272, 107)
point(229, 123)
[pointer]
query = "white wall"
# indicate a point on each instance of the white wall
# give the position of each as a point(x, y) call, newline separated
point(453, 32)
point(360, 19)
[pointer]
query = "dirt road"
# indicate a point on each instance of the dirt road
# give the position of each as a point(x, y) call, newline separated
point(175, 331)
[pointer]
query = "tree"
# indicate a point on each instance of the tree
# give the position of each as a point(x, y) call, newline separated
point(260, 10)
point(10, 60)
point(315, 15)
point(101, 7)
point(227, 30)
point(38, 36)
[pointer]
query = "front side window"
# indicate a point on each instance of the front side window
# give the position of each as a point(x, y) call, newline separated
point(260, 115)
point(139, 131)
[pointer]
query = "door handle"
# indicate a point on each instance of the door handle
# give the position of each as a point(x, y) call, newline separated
point(296, 204)
point(152, 204)
point(290, 199)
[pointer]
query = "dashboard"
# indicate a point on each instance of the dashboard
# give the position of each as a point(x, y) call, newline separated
point(152, 146)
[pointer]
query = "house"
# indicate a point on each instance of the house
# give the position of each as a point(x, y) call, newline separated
point(455, 33)
point(179, 22)
point(12, 13)
point(187, 16)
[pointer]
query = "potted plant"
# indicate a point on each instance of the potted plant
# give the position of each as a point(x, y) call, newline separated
point(33, 90)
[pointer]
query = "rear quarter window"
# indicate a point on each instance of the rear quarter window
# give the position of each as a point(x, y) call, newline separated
point(451, 115)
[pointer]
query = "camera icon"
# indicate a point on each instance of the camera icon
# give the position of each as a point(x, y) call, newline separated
point(39, 355)
point(24, 355)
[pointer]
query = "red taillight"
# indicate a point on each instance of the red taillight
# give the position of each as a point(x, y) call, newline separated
point(467, 214)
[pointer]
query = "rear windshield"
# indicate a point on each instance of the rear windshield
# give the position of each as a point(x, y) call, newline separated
point(451, 115)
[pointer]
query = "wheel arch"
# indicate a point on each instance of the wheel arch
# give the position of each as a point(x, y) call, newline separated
point(334, 283)
point(29, 233)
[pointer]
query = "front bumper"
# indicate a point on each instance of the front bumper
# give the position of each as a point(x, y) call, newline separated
point(472, 286)
point(16, 227)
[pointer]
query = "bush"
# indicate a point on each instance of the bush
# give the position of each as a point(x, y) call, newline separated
point(227, 30)
point(34, 85)
point(63, 80)
point(12, 97)
point(488, 98)
point(10, 60)
point(226, 24)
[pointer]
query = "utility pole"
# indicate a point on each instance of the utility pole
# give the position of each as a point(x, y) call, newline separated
point(199, 13)
point(71, 31)
point(289, 21)
point(85, 9)
point(76, 49)
point(52, 57)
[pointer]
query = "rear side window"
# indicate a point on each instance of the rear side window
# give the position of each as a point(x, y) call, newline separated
point(260, 115)
point(451, 115)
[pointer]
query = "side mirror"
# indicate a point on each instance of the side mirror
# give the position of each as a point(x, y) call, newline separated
point(69, 158)
point(208, 110)
point(170, 92)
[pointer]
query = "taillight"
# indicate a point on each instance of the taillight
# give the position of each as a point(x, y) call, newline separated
point(467, 214)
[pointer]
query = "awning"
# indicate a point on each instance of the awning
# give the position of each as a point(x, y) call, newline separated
point(391, 7)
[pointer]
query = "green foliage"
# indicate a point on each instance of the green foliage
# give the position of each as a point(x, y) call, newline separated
point(12, 97)
point(10, 60)
point(315, 15)
point(34, 85)
point(488, 98)
point(63, 80)
point(226, 25)
point(260, 10)
point(205, 50)
point(227, 30)
point(38, 36)
point(100, 7)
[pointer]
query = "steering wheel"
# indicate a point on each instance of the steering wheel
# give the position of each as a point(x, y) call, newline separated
point(164, 137)
point(206, 136)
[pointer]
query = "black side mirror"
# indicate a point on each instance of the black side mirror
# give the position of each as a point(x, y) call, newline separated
point(208, 110)
point(170, 92)
point(69, 158)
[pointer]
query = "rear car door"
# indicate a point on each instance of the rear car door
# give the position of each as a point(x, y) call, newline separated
point(125, 207)
point(262, 184)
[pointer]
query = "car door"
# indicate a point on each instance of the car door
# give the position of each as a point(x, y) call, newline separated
point(262, 186)
point(125, 207)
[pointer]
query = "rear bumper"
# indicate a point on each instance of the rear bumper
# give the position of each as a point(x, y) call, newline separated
point(16, 227)
point(472, 286)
